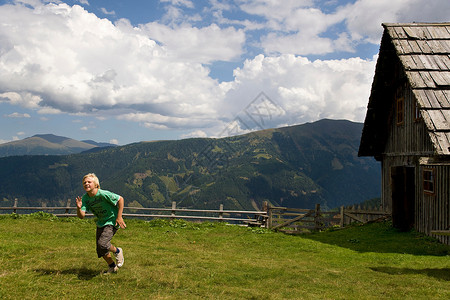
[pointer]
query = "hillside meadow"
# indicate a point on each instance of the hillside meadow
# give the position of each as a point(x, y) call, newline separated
point(45, 257)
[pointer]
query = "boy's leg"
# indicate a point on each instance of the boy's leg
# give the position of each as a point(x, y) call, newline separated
point(108, 259)
point(104, 236)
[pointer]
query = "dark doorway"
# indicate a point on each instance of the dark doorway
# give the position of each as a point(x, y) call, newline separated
point(403, 195)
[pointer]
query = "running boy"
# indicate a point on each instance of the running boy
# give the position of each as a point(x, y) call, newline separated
point(108, 208)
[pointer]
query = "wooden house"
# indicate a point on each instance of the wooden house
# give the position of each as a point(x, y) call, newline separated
point(407, 126)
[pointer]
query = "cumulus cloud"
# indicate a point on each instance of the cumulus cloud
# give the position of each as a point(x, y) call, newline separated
point(303, 90)
point(65, 59)
point(183, 42)
point(17, 115)
point(306, 27)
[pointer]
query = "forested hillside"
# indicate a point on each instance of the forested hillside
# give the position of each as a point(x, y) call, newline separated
point(295, 166)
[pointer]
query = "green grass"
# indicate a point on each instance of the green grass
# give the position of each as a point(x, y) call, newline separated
point(43, 257)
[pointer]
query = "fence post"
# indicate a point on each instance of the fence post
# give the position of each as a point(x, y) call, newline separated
point(174, 206)
point(221, 212)
point(15, 205)
point(269, 218)
point(317, 217)
point(67, 206)
point(342, 217)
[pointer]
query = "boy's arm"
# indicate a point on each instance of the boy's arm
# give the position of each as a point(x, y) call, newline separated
point(80, 213)
point(119, 219)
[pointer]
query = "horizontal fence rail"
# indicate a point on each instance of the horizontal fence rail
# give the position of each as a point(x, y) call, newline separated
point(289, 220)
point(239, 216)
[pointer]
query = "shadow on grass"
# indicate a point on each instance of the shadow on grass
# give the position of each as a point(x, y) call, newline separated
point(382, 238)
point(82, 273)
point(441, 274)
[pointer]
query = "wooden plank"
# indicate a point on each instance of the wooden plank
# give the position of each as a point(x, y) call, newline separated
point(447, 152)
point(293, 220)
point(401, 34)
point(436, 47)
point(422, 98)
point(441, 78)
point(446, 45)
point(418, 61)
point(424, 47)
point(398, 47)
point(429, 82)
point(440, 97)
point(442, 61)
point(405, 46)
point(408, 62)
point(428, 120)
point(432, 98)
point(446, 94)
point(354, 217)
point(392, 33)
point(438, 32)
point(414, 46)
point(428, 62)
point(439, 120)
point(444, 143)
point(413, 32)
point(415, 80)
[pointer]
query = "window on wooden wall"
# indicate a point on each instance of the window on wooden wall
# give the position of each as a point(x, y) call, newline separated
point(429, 181)
point(400, 105)
point(417, 113)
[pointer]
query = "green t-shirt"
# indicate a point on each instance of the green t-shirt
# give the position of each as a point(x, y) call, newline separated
point(103, 205)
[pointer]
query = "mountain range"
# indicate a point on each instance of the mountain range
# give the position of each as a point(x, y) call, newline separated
point(295, 166)
point(48, 144)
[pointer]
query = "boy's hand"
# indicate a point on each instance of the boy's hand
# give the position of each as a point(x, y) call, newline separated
point(120, 222)
point(80, 213)
point(79, 202)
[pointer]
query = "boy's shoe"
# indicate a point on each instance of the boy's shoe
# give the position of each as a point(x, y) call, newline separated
point(119, 257)
point(111, 270)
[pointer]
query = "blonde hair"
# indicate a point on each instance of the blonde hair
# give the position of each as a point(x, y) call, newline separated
point(94, 177)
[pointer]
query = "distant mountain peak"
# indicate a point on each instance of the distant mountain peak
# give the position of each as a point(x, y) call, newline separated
point(48, 144)
point(52, 138)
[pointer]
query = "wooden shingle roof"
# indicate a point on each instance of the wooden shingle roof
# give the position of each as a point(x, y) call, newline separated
point(424, 53)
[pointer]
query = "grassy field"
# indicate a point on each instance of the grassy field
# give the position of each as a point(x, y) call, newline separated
point(43, 257)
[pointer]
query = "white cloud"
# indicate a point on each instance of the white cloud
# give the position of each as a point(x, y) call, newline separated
point(201, 45)
point(22, 98)
point(304, 90)
point(64, 59)
point(185, 3)
point(306, 27)
point(106, 12)
point(195, 134)
point(364, 17)
point(114, 141)
point(17, 115)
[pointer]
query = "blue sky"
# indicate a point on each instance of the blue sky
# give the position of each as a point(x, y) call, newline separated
point(140, 70)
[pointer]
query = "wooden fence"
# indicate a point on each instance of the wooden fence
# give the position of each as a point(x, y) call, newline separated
point(231, 216)
point(295, 220)
point(289, 220)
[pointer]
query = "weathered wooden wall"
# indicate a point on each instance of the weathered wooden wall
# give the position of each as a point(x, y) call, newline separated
point(407, 143)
